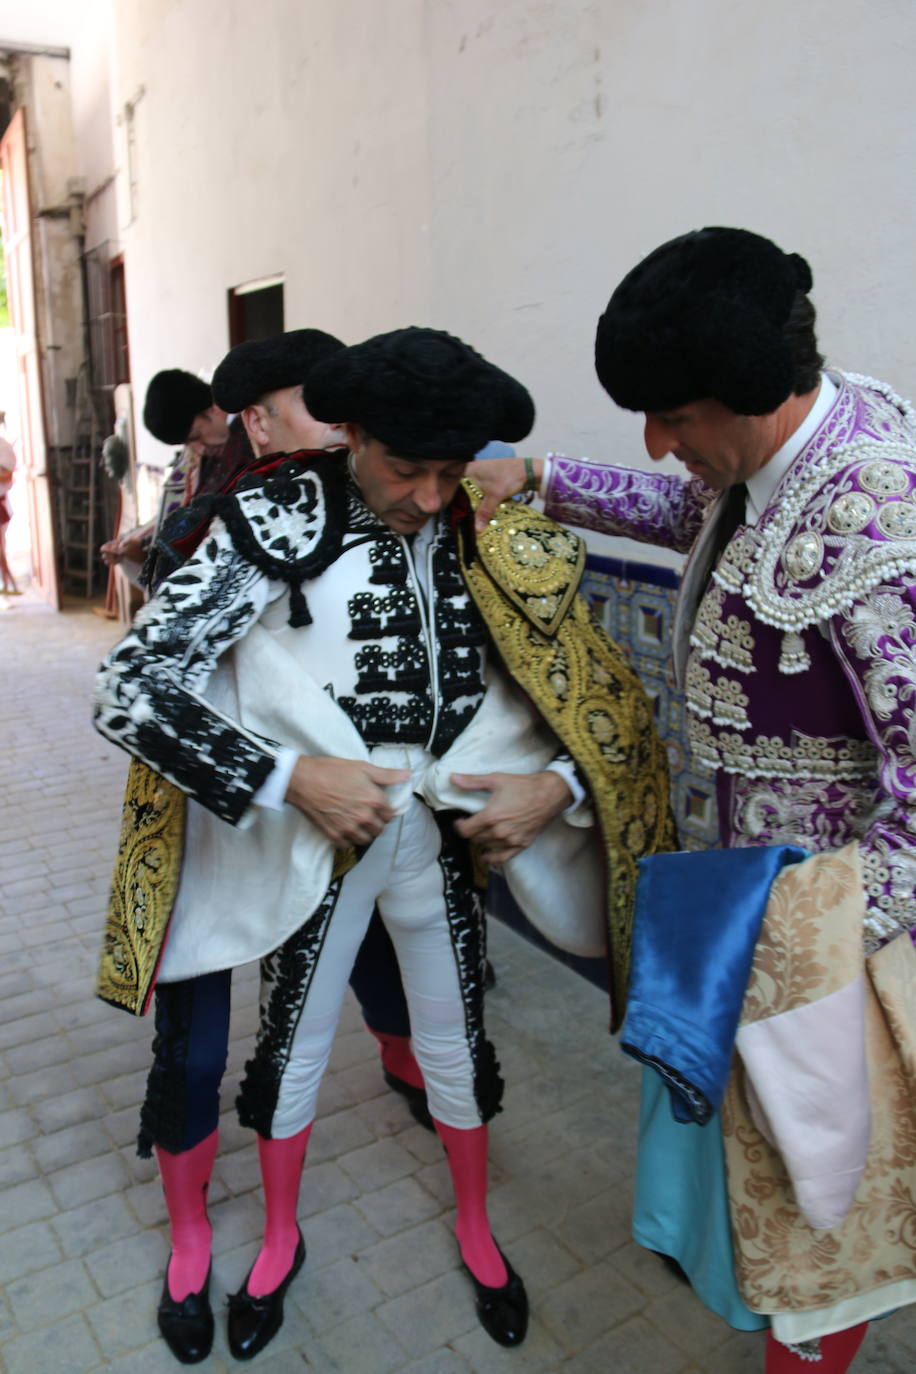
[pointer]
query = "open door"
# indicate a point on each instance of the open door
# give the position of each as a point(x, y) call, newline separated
point(17, 238)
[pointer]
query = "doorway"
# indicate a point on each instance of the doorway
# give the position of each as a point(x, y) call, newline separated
point(255, 310)
point(35, 479)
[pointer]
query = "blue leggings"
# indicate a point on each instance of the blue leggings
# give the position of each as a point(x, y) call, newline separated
point(191, 1046)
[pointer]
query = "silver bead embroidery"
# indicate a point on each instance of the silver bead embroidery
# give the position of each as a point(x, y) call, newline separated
point(885, 479)
point(803, 555)
point(898, 520)
point(850, 513)
point(793, 656)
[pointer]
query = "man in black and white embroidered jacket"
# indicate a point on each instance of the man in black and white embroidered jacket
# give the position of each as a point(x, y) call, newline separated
point(317, 677)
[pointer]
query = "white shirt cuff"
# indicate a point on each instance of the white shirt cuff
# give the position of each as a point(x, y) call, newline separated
point(272, 792)
point(566, 769)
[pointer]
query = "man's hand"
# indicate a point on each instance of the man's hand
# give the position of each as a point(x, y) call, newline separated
point(116, 550)
point(344, 797)
point(130, 545)
point(500, 478)
point(520, 806)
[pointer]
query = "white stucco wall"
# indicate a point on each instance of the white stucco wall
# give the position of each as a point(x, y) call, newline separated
point(287, 146)
point(94, 119)
point(495, 166)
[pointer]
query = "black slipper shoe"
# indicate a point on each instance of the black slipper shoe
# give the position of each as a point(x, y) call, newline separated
point(253, 1322)
point(187, 1326)
point(503, 1311)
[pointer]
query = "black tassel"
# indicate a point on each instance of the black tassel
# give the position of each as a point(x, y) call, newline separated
point(299, 613)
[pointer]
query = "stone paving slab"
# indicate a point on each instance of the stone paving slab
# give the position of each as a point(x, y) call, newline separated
point(82, 1235)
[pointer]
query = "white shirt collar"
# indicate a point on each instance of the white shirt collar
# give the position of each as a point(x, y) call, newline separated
point(761, 488)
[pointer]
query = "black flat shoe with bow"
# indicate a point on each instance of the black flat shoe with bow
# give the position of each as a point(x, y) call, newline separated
point(187, 1326)
point(253, 1322)
point(503, 1312)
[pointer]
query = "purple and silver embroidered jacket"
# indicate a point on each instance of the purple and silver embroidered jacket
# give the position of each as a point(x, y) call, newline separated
point(801, 670)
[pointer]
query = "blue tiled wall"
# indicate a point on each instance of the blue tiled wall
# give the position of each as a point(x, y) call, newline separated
point(635, 602)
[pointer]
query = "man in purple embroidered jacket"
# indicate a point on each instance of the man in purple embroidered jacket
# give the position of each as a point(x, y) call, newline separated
point(322, 648)
point(795, 631)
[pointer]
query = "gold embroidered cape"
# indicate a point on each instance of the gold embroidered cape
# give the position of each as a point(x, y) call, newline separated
point(524, 573)
point(147, 870)
point(144, 885)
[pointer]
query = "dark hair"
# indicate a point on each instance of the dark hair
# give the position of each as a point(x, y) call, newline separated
point(801, 341)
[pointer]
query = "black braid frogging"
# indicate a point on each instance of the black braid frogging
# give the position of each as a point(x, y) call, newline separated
point(286, 976)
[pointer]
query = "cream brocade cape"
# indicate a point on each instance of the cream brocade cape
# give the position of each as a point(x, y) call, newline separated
point(811, 1281)
point(524, 575)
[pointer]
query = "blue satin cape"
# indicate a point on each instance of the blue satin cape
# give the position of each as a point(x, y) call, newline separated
point(698, 915)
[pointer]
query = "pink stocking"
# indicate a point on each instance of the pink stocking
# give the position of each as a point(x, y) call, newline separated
point(837, 1353)
point(185, 1180)
point(397, 1057)
point(466, 1152)
point(281, 1174)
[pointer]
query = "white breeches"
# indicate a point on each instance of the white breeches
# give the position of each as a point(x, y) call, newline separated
point(401, 875)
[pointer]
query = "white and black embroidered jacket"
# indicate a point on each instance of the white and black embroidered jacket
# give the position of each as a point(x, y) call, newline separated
point(401, 649)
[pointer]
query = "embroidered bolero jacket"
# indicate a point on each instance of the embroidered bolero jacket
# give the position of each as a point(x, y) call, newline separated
point(801, 671)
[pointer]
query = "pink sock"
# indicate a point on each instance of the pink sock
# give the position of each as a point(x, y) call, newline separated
point(185, 1180)
point(837, 1353)
point(398, 1057)
point(466, 1152)
point(281, 1174)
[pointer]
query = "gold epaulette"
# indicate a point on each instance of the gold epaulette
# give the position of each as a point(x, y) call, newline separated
point(536, 562)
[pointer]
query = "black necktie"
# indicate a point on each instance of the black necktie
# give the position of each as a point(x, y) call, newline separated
point(733, 508)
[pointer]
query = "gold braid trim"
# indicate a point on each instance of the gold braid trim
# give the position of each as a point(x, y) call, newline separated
point(143, 888)
point(582, 686)
point(144, 885)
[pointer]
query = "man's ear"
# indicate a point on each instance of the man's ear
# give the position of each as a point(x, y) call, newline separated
point(353, 434)
point(255, 418)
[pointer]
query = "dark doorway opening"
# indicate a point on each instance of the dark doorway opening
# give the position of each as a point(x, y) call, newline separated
point(255, 311)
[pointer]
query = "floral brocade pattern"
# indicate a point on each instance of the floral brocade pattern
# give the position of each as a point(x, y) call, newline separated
point(809, 812)
point(666, 510)
point(781, 1263)
point(877, 642)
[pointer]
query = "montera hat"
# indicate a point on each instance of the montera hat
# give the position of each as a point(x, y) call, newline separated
point(173, 399)
point(252, 369)
point(422, 392)
point(702, 318)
